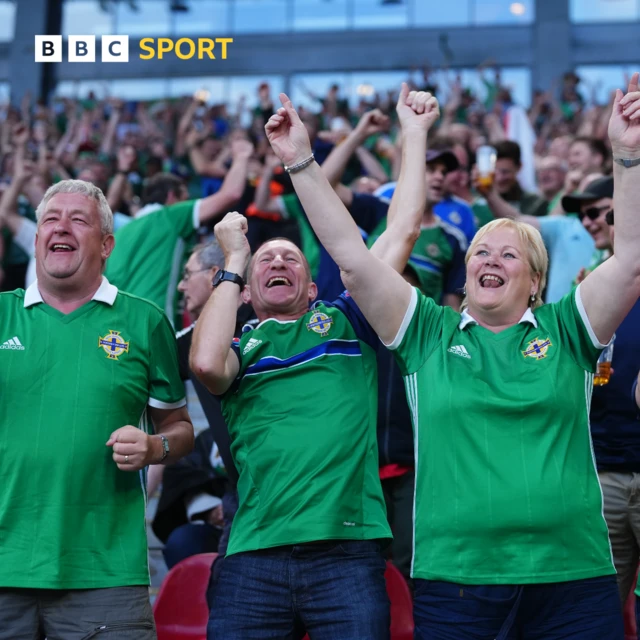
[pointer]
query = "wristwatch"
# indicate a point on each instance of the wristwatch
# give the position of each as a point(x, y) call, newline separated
point(165, 446)
point(626, 162)
point(222, 276)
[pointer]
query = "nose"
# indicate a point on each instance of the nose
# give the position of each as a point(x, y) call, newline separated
point(277, 262)
point(182, 285)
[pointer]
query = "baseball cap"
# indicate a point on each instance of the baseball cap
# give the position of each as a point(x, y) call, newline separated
point(445, 156)
point(600, 188)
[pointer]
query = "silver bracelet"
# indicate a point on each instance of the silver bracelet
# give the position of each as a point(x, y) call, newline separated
point(300, 166)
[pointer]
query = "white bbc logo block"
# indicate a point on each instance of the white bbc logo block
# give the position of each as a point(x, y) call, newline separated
point(82, 48)
point(48, 48)
point(115, 48)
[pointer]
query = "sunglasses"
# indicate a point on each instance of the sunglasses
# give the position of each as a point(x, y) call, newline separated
point(593, 212)
point(609, 218)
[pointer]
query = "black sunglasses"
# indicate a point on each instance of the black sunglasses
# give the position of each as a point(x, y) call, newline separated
point(592, 213)
point(609, 218)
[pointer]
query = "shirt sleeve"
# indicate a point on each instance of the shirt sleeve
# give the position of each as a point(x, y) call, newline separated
point(455, 275)
point(166, 389)
point(184, 217)
point(419, 333)
point(576, 332)
point(361, 326)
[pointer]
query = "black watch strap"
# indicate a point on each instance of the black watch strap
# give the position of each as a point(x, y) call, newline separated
point(222, 276)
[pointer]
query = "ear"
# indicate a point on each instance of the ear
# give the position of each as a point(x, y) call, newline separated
point(312, 292)
point(535, 283)
point(212, 274)
point(108, 243)
point(246, 294)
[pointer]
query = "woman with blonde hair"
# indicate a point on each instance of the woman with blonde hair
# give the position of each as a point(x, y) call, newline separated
point(509, 536)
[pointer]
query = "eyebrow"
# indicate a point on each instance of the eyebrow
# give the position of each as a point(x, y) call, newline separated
point(506, 246)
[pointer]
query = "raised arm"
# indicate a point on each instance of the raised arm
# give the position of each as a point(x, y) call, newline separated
point(233, 186)
point(381, 293)
point(370, 123)
point(609, 292)
point(211, 357)
point(417, 111)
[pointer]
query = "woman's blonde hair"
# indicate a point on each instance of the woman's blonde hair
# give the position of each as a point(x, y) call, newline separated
point(532, 244)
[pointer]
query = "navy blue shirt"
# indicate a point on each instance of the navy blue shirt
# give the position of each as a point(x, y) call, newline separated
point(615, 429)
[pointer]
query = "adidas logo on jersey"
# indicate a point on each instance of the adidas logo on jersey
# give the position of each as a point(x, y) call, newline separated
point(459, 350)
point(251, 344)
point(14, 344)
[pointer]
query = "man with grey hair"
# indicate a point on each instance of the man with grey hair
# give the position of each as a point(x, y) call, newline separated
point(80, 363)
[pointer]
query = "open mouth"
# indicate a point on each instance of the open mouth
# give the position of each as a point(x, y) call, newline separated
point(278, 281)
point(489, 281)
point(61, 247)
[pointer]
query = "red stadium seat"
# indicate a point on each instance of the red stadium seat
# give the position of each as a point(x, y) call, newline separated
point(180, 610)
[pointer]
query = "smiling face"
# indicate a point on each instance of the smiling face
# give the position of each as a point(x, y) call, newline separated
point(280, 282)
point(436, 171)
point(500, 281)
point(71, 248)
point(597, 227)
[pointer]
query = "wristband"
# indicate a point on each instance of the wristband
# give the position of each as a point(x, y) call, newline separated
point(300, 166)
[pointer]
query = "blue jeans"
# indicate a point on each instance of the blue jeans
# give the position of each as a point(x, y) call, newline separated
point(189, 540)
point(332, 591)
point(578, 610)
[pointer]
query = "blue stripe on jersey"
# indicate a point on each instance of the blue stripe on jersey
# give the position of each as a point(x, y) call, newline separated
point(423, 263)
point(270, 364)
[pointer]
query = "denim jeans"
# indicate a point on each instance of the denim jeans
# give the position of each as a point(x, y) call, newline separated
point(577, 610)
point(332, 591)
point(189, 540)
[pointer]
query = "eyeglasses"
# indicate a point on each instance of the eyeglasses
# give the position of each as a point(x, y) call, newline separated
point(593, 212)
point(609, 218)
point(186, 274)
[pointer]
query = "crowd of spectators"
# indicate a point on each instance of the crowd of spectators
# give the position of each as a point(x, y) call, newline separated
point(552, 163)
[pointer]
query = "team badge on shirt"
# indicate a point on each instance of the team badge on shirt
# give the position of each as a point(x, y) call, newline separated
point(433, 250)
point(113, 344)
point(320, 323)
point(537, 349)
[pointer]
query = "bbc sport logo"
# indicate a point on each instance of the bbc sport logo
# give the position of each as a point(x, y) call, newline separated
point(116, 48)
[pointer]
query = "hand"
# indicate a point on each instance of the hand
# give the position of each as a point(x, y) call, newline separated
point(231, 236)
point(215, 517)
point(126, 158)
point(132, 448)
point(624, 125)
point(287, 134)
point(241, 149)
point(417, 110)
point(572, 180)
point(21, 135)
point(24, 171)
point(475, 183)
point(370, 123)
point(582, 274)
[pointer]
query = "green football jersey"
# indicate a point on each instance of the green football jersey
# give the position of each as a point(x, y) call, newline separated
point(506, 485)
point(150, 253)
point(437, 258)
point(69, 518)
point(302, 420)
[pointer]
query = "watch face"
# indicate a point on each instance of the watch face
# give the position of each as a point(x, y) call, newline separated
point(218, 277)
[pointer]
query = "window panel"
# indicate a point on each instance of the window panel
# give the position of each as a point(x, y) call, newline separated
point(259, 16)
point(314, 15)
point(84, 17)
point(380, 14)
point(215, 87)
point(205, 17)
point(7, 20)
point(603, 10)
point(503, 11)
point(152, 18)
point(599, 81)
point(431, 13)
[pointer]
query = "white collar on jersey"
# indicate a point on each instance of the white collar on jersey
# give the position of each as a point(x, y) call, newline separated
point(106, 293)
point(467, 319)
